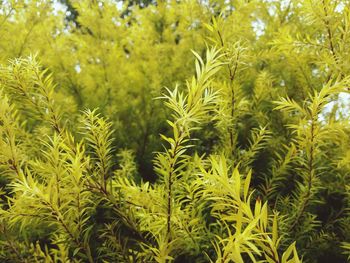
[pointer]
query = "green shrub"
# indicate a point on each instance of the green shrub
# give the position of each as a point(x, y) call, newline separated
point(254, 165)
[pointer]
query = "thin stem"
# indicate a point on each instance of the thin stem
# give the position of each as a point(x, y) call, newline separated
point(11, 244)
point(59, 217)
point(310, 169)
point(232, 74)
point(170, 180)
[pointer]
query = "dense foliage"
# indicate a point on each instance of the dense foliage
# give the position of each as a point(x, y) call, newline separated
point(175, 131)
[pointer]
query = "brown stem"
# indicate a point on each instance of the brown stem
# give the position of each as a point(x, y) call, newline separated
point(78, 243)
point(232, 74)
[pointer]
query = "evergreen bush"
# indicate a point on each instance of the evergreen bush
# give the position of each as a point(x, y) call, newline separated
point(114, 147)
